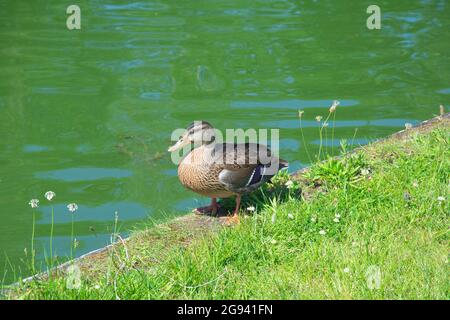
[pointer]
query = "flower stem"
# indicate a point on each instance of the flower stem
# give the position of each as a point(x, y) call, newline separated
point(320, 145)
point(354, 135)
point(304, 142)
point(51, 239)
point(32, 244)
point(320, 132)
point(332, 132)
point(71, 241)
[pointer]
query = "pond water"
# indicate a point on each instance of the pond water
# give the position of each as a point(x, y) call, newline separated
point(88, 113)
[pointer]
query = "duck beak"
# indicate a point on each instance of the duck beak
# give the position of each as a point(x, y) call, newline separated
point(180, 144)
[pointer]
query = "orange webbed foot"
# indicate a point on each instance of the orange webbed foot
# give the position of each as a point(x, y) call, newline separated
point(233, 220)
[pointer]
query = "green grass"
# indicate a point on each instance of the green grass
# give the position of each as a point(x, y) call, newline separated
point(389, 242)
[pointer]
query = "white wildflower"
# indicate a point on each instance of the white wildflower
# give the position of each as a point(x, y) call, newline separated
point(325, 125)
point(300, 113)
point(273, 241)
point(34, 203)
point(290, 216)
point(97, 287)
point(346, 269)
point(289, 184)
point(336, 220)
point(365, 171)
point(72, 207)
point(251, 209)
point(313, 219)
point(334, 106)
point(337, 215)
point(322, 232)
point(49, 195)
point(441, 198)
point(408, 126)
point(318, 118)
point(415, 184)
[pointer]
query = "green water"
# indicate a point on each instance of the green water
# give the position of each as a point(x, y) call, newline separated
point(88, 113)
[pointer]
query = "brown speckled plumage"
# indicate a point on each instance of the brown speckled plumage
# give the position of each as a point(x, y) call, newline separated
point(223, 170)
point(198, 173)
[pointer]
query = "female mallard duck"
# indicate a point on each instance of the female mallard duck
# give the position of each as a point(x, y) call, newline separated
point(222, 170)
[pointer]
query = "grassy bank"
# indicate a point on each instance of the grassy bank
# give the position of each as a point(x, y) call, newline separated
point(371, 225)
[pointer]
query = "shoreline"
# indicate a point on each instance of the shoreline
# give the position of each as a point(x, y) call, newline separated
point(204, 224)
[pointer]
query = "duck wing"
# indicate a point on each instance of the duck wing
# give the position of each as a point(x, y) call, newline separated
point(246, 166)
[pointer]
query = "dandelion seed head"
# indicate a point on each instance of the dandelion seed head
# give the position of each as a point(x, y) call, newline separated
point(300, 113)
point(318, 118)
point(34, 203)
point(72, 207)
point(49, 195)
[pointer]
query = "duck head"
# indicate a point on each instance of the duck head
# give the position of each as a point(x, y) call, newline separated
point(198, 132)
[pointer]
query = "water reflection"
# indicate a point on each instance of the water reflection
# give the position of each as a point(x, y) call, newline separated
point(295, 104)
point(84, 174)
point(105, 212)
